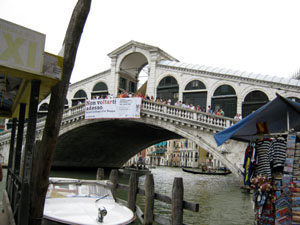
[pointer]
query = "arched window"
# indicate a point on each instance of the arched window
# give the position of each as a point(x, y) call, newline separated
point(100, 90)
point(225, 98)
point(167, 82)
point(43, 110)
point(194, 85)
point(224, 90)
point(253, 101)
point(195, 93)
point(168, 89)
point(256, 96)
point(44, 107)
point(79, 97)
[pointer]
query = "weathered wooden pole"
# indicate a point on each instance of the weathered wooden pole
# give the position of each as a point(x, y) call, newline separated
point(177, 201)
point(113, 177)
point(11, 157)
point(45, 152)
point(132, 192)
point(17, 156)
point(149, 200)
point(100, 174)
point(28, 151)
point(12, 143)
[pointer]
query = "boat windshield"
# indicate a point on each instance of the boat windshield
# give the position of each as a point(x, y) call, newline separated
point(63, 188)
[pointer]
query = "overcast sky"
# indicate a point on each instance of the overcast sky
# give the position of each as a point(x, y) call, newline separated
point(260, 36)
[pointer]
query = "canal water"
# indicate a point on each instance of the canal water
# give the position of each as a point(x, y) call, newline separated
point(221, 200)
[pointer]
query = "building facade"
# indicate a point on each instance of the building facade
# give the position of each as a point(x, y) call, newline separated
point(167, 78)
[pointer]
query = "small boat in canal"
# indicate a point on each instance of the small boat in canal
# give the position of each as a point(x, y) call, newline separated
point(208, 172)
point(83, 202)
point(139, 171)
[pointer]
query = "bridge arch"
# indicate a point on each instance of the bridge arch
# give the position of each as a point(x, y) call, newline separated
point(129, 65)
point(92, 143)
point(80, 138)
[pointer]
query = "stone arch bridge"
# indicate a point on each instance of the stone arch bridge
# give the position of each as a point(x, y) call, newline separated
point(109, 143)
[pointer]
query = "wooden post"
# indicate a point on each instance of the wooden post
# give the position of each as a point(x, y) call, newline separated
point(55, 112)
point(149, 199)
point(113, 177)
point(11, 157)
point(18, 151)
point(100, 174)
point(132, 192)
point(177, 201)
point(28, 151)
point(12, 143)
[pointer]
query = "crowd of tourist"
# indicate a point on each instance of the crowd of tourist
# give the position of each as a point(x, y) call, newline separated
point(218, 112)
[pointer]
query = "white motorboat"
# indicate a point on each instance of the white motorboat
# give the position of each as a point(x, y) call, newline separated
point(82, 202)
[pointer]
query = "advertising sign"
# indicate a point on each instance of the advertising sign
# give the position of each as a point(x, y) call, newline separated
point(113, 108)
point(21, 48)
point(53, 65)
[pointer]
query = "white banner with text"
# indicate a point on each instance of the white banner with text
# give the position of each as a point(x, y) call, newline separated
point(113, 108)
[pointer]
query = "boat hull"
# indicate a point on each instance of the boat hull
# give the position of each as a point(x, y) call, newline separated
point(79, 202)
point(193, 171)
point(140, 172)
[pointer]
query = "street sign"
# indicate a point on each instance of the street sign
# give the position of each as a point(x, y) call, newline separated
point(21, 48)
point(22, 59)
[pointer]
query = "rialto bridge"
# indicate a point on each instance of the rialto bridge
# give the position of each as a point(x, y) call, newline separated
point(110, 143)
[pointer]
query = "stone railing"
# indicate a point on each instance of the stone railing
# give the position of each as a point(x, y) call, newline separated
point(188, 114)
point(148, 107)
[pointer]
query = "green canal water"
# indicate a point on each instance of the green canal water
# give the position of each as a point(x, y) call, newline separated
point(221, 200)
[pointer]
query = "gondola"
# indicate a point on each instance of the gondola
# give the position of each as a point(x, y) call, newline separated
point(195, 171)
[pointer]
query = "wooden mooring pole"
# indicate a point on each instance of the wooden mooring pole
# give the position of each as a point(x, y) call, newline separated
point(100, 174)
point(113, 177)
point(177, 201)
point(133, 190)
point(148, 217)
point(149, 200)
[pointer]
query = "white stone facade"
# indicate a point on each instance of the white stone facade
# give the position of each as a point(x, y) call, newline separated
point(127, 60)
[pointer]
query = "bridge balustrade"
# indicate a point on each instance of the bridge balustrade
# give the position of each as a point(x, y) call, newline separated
point(147, 106)
point(188, 114)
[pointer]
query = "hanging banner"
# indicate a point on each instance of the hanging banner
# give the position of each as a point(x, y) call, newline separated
point(113, 108)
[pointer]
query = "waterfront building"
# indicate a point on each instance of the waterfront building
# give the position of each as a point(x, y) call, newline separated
point(177, 153)
point(189, 154)
point(156, 154)
point(136, 158)
point(173, 153)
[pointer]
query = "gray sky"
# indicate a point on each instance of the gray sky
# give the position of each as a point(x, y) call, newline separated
point(260, 36)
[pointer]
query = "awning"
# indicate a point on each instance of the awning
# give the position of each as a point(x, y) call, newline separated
point(161, 144)
point(277, 116)
point(159, 152)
